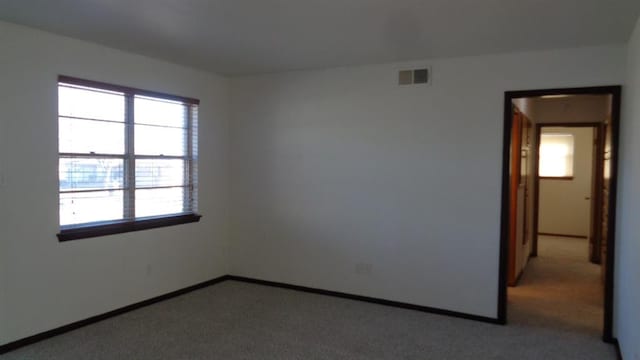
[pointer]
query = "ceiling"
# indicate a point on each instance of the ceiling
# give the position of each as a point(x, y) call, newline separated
point(234, 37)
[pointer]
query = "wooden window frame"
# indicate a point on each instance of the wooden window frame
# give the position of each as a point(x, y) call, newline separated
point(130, 222)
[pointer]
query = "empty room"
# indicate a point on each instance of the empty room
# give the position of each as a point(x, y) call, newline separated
point(367, 179)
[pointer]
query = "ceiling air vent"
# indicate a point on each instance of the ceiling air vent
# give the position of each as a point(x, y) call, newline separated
point(417, 76)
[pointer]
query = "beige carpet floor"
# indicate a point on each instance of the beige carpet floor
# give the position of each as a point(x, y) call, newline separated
point(234, 320)
point(560, 289)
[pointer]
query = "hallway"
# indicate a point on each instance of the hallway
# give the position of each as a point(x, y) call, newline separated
point(560, 291)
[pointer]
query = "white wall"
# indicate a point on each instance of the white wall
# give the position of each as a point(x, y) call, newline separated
point(45, 283)
point(627, 272)
point(4, 209)
point(333, 169)
point(563, 208)
point(574, 109)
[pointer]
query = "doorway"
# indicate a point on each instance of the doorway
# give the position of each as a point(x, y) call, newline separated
point(521, 150)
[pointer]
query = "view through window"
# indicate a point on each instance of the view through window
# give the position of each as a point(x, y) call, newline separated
point(556, 155)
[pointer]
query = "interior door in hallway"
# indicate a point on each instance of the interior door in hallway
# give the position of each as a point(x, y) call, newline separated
point(565, 181)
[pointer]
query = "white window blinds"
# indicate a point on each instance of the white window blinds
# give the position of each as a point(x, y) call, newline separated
point(556, 155)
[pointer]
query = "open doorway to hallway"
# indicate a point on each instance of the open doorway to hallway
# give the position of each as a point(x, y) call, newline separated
point(557, 248)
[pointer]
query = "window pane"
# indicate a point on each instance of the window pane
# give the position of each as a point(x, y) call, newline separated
point(90, 174)
point(78, 208)
point(556, 155)
point(87, 136)
point(160, 112)
point(159, 172)
point(91, 104)
point(154, 140)
point(154, 202)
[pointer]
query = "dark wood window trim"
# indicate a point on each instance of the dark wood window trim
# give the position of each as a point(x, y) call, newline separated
point(119, 227)
point(125, 89)
point(555, 177)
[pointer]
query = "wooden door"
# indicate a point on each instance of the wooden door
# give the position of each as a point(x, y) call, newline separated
point(515, 172)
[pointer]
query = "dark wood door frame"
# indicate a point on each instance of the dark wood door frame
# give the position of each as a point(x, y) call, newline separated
point(615, 92)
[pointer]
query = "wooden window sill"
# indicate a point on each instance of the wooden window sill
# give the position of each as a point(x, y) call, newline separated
point(123, 226)
point(555, 177)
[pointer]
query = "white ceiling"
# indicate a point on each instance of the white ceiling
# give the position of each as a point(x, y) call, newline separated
point(255, 36)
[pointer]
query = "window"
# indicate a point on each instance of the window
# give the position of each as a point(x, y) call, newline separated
point(556, 155)
point(127, 159)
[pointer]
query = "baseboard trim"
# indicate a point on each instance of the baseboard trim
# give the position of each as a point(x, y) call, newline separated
point(517, 281)
point(563, 235)
point(397, 304)
point(94, 319)
point(531, 256)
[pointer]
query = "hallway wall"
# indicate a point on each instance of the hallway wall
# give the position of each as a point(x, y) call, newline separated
point(573, 109)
